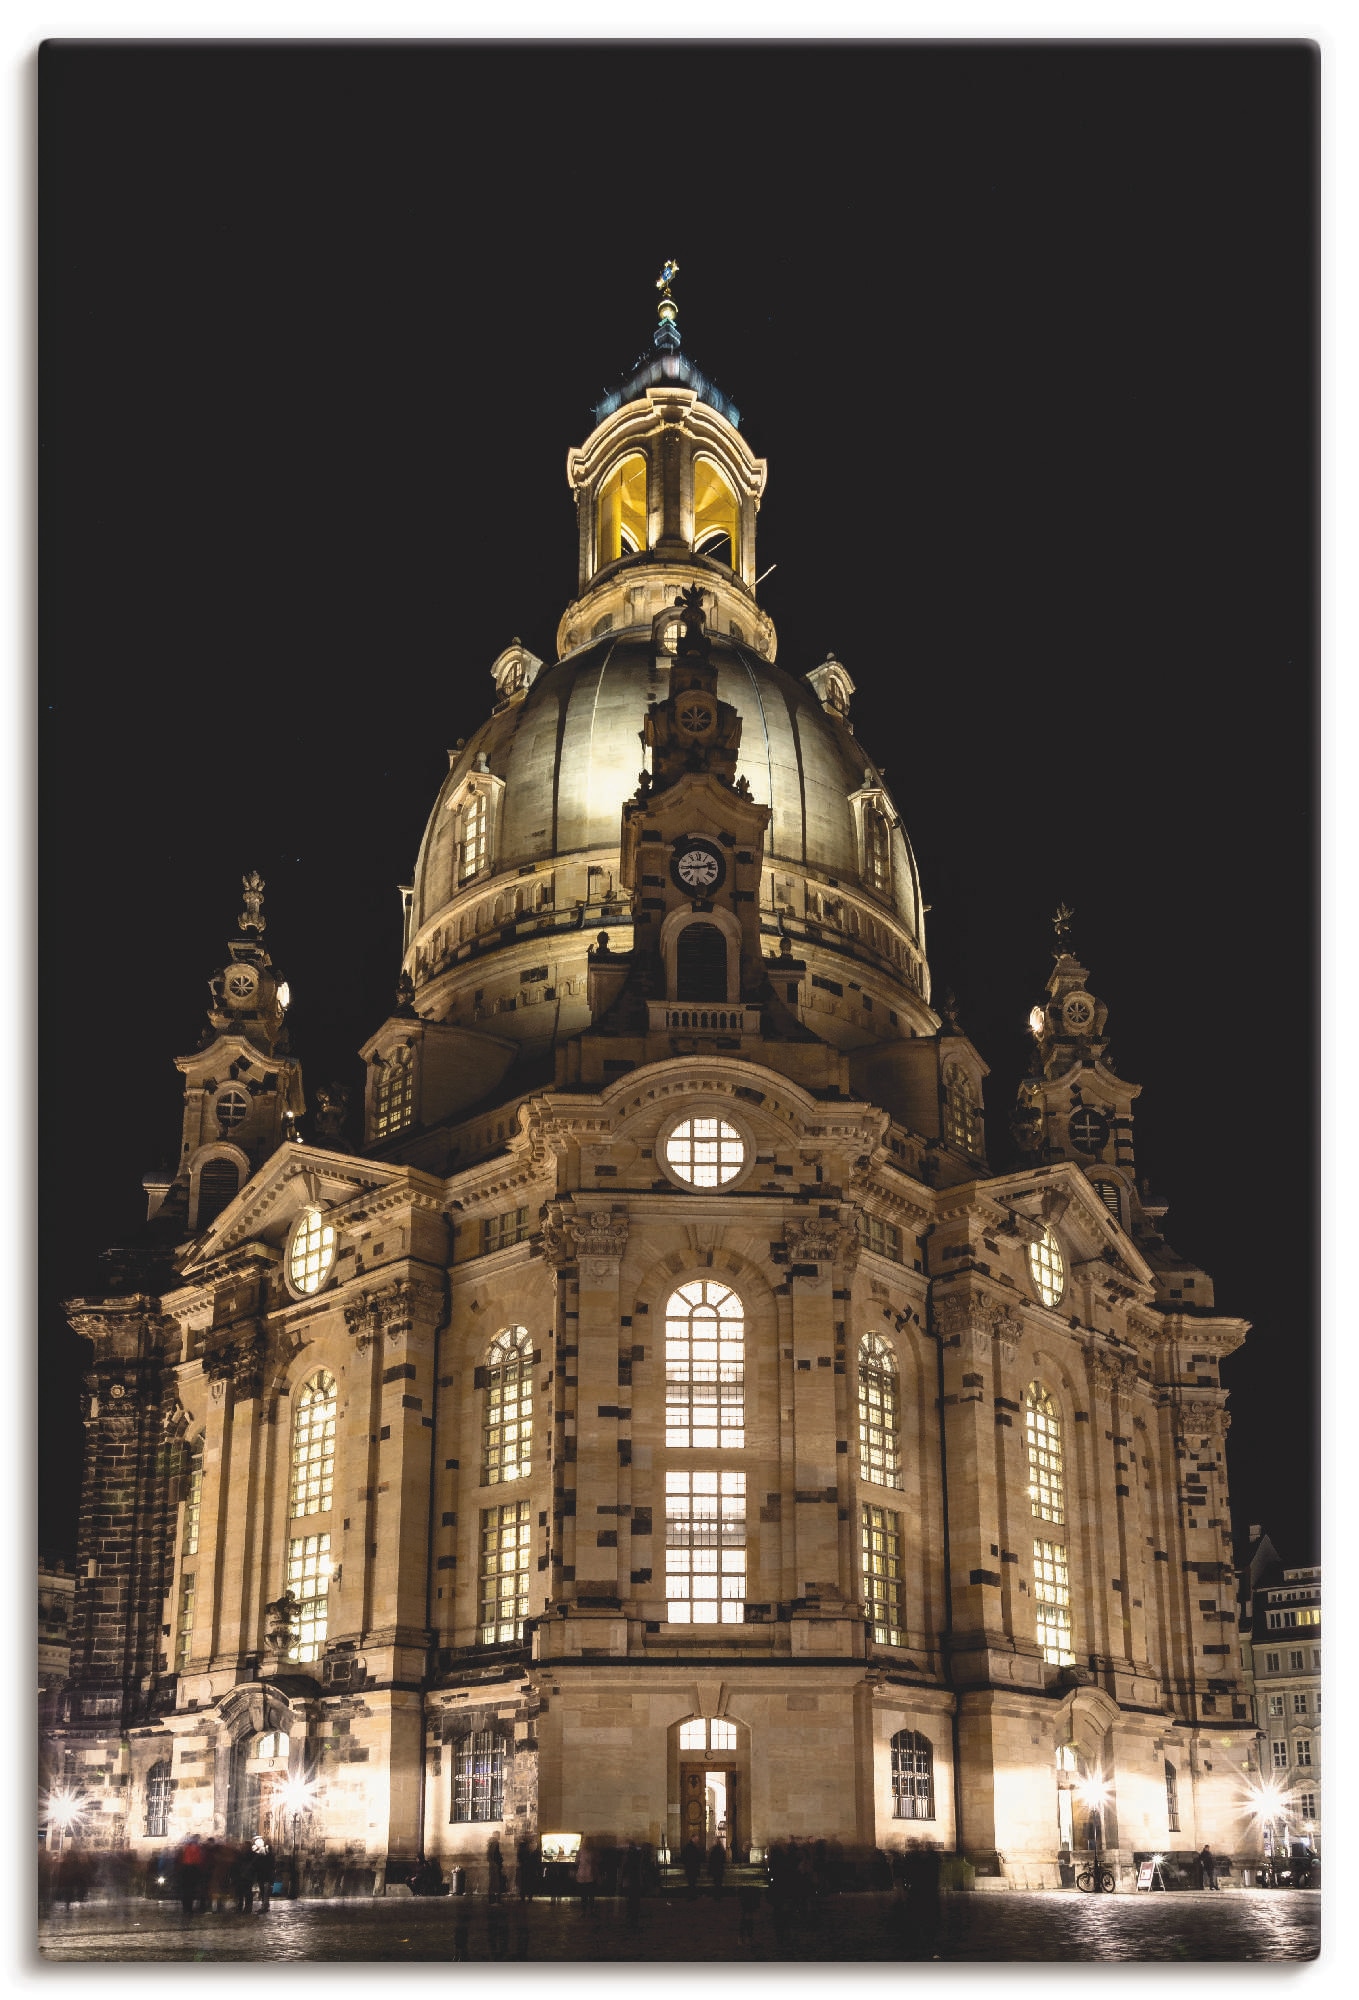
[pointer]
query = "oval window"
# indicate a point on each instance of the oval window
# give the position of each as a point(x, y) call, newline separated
point(312, 1251)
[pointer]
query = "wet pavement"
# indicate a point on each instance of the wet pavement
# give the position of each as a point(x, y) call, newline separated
point(1058, 1925)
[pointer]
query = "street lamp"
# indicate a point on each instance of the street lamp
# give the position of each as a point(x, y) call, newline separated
point(1265, 1802)
point(1093, 1792)
point(65, 1809)
point(298, 1794)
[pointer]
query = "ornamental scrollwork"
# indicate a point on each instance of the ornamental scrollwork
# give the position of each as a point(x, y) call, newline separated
point(600, 1233)
point(1200, 1419)
point(819, 1239)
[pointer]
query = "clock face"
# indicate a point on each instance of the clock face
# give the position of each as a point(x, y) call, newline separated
point(1078, 1010)
point(699, 868)
point(695, 717)
point(240, 983)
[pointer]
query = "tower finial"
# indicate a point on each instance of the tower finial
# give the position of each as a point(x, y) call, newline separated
point(667, 334)
point(252, 886)
point(1061, 924)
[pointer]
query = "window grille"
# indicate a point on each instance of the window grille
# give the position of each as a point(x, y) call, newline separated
point(314, 1446)
point(309, 1581)
point(960, 1110)
point(1172, 1798)
point(184, 1623)
point(394, 1108)
point(912, 1775)
point(507, 1432)
point(882, 1237)
point(505, 1536)
point(1043, 1437)
point(193, 1499)
point(159, 1792)
point(705, 1152)
point(705, 1351)
point(499, 1230)
point(475, 846)
point(479, 1776)
point(232, 1108)
point(880, 1546)
point(705, 1547)
point(879, 1413)
point(696, 1734)
point(1052, 1601)
point(313, 1251)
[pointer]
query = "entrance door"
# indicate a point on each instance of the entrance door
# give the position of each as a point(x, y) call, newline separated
point(708, 1807)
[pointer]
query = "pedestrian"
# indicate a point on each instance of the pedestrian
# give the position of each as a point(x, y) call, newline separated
point(495, 1870)
point(190, 1875)
point(587, 1875)
point(526, 1868)
point(262, 1869)
point(241, 1879)
point(691, 1861)
point(1207, 1867)
point(717, 1867)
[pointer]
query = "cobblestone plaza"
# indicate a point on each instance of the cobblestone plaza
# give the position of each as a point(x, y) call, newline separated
point(1042, 1927)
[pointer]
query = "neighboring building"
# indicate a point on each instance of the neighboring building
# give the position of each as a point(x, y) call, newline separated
point(1281, 1646)
point(667, 1422)
point(56, 1598)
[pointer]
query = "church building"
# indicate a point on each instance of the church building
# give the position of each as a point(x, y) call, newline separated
point(664, 1422)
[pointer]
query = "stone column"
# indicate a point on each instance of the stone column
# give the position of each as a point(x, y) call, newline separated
point(969, 1428)
point(410, 1313)
point(823, 1587)
point(600, 1236)
point(238, 1364)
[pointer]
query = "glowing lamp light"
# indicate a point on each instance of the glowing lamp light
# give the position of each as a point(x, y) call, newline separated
point(64, 1809)
point(1036, 1018)
point(1092, 1791)
point(297, 1794)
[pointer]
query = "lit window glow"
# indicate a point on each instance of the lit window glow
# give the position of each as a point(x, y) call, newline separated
point(313, 1251)
point(479, 1776)
point(705, 1366)
point(960, 1110)
point(880, 1546)
point(309, 1581)
point(508, 1429)
point(475, 843)
point(620, 510)
point(1052, 1600)
point(705, 1152)
point(912, 1775)
point(394, 1106)
point(193, 1499)
point(314, 1446)
point(1046, 1268)
point(705, 1548)
point(879, 1449)
point(1043, 1437)
point(506, 1533)
point(717, 516)
point(696, 1734)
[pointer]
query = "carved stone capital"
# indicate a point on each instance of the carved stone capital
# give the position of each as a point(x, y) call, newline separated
point(594, 1238)
point(238, 1362)
point(820, 1239)
point(392, 1313)
point(1200, 1419)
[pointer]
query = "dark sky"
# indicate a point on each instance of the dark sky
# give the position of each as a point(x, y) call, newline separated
point(1028, 336)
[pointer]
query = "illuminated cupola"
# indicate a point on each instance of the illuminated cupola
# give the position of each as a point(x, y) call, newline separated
point(667, 492)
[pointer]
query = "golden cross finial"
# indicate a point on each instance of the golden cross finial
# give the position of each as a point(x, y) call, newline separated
point(669, 270)
point(1061, 923)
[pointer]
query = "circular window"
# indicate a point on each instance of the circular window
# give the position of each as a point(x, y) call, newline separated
point(1089, 1130)
point(231, 1109)
point(704, 1152)
point(312, 1251)
point(1046, 1268)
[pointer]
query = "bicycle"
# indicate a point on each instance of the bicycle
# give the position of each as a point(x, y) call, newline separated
point(1094, 1878)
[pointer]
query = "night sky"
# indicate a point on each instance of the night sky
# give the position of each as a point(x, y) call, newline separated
point(1028, 337)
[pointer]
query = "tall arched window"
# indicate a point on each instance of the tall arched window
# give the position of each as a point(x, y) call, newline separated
point(705, 1374)
point(1172, 1798)
point(314, 1446)
point(700, 963)
point(717, 515)
point(912, 1775)
point(394, 1106)
point(479, 1776)
point(507, 1432)
point(877, 851)
point(218, 1183)
point(1043, 1437)
point(193, 1498)
point(620, 511)
point(960, 1109)
point(1047, 1500)
point(474, 849)
point(879, 1413)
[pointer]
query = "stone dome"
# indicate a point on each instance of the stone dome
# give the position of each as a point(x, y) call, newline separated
point(569, 753)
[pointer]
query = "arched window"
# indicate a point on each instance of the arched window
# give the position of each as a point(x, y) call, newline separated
point(701, 963)
point(193, 1498)
point(394, 1106)
point(1043, 1437)
point(1108, 1194)
point(479, 1776)
point(158, 1795)
point(696, 1734)
point(1047, 1268)
point(314, 1446)
point(705, 1374)
point(1172, 1798)
point(879, 1411)
point(960, 1109)
point(231, 1109)
point(620, 511)
point(877, 851)
point(912, 1775)
point(717, 515)
point(474, 848)
point(507, 1432)
point(217, 1184)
